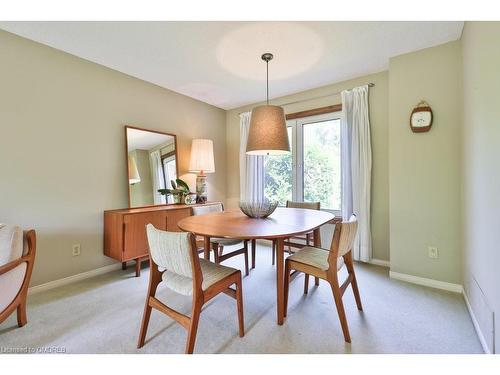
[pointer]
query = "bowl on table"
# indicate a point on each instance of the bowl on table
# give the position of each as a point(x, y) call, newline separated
point(258, 210)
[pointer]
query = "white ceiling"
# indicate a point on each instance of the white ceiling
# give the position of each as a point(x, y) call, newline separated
point(145, 140)
point(219, 62)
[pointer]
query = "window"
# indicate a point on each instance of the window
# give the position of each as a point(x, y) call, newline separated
point(279, 175)
point(312, 172)
point(170, 173)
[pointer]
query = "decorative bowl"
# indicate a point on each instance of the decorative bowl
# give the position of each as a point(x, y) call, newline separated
point(258, 210)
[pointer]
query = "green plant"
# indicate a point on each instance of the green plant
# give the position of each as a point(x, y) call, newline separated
point(179, 188)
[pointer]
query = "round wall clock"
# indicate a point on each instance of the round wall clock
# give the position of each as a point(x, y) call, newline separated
point(421, 118)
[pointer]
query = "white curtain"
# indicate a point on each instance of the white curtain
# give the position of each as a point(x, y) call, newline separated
point(251, 166)
point(157, 175)
point(357, 161)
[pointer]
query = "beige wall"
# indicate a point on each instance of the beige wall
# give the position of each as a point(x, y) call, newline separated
point(50, 100)
point(379, 134)
point(424, 169)
point(481, 157)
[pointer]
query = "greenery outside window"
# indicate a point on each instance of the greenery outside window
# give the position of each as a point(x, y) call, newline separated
point(312, 172)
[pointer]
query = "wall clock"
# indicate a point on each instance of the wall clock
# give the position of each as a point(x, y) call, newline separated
point(421, 118)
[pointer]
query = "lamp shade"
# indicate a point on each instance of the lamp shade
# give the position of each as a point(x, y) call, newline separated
point(133, 172)
point(267, 134)
point(202, 156)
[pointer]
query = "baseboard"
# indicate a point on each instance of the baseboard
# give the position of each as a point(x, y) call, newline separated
point(475, 323)
point(380, 262)
point(457, 288)
point(74, 278)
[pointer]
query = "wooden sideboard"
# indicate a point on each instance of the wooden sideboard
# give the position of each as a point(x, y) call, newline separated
point(125, 230)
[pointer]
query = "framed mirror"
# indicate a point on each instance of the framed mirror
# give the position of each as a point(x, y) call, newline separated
point(151, 164)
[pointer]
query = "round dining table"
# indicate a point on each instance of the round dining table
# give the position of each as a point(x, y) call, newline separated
point(282, 224)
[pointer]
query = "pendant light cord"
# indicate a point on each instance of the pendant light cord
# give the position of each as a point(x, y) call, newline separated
point(267, 82)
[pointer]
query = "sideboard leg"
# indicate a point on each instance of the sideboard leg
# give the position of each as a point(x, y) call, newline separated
point(138, 267)
point(124, 266)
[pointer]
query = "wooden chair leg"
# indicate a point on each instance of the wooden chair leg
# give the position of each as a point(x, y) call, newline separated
point(308, 239)
point(154, 280)
point(239, 305)
point(215, 248)
point(316, 281)
point(21, 314)
point(274, 252)
point(337, 296)
point(286, 288)
point(245, 245)
point(355, 290)
point(306, 283)
point(193, 325)
point(354, 282)
point(254, 244)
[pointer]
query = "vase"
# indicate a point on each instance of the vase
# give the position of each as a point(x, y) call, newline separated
point(178, 198)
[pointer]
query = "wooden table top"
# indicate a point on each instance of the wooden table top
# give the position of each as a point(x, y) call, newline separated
point(284, 222)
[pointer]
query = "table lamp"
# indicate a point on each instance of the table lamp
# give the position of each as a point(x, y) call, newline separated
point(202, 161)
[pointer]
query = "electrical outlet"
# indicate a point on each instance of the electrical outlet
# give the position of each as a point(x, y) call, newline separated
point(433, 252)
point(76, 250)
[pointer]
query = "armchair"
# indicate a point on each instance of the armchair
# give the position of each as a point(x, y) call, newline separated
point(17, 256)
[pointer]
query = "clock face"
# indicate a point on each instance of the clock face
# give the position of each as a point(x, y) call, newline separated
point(421, 119)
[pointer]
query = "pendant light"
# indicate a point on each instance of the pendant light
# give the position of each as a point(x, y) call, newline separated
point(267, 134)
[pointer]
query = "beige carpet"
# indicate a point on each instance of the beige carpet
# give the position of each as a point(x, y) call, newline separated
point(102, 315)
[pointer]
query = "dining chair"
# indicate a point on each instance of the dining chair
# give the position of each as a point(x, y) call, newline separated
point(17, 257)
point(219, 243)
point(174, 260)
point(326, 265)
point(305, 239)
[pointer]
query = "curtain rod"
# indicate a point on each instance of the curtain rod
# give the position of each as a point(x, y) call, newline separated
point(371, 84)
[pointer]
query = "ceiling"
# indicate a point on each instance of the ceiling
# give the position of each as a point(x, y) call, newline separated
point(219, 62)
point(145, 140)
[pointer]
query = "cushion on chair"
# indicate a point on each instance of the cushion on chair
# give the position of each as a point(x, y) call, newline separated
point(10, 285)
point(315, 257)
point(212, 273)
point(11, 243)
point(225, 241)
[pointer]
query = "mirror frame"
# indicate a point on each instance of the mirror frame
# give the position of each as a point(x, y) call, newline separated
point(126, 160)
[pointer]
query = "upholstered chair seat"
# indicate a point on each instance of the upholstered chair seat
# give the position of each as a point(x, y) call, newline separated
point(224, 241)
point(211, 273)
point(315, 257)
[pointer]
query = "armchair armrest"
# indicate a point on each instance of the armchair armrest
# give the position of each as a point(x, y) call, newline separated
point(11, 265)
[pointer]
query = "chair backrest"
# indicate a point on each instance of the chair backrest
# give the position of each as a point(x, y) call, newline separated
point(207, 209)
point(343, 237)
point(171, 251)
point(309, 205)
